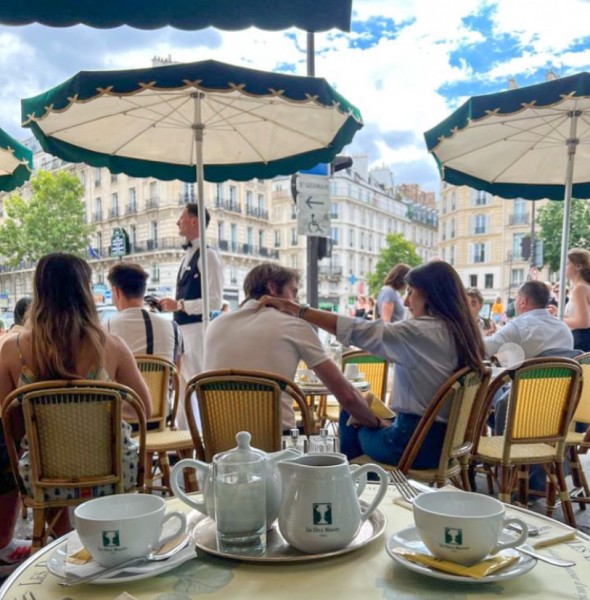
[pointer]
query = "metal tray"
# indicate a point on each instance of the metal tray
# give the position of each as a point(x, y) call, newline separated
point(202, 531)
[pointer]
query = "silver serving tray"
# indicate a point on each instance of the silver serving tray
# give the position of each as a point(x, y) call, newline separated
point(202, 531)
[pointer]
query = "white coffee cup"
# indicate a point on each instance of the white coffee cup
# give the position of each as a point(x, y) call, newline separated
point(463, 527)
point(351, 371)
point(117, 528)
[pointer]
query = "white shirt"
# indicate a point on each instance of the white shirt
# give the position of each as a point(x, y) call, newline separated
point(534, 331)
point(129, 325)
point(422, 351)
point(264, 340)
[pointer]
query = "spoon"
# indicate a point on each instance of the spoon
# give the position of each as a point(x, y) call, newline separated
point(154, 556)
point(556, 562)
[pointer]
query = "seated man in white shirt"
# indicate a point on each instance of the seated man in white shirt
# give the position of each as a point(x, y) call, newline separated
point(145, 332)
point(535, 330)
point(264, 339)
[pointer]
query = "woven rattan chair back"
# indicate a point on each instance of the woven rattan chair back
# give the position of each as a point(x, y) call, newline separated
point(374, 368)
point(461, 397)
point(543, 398)
point(158, 373)
point(73, 431)
point(582, 414)
point(234, 400)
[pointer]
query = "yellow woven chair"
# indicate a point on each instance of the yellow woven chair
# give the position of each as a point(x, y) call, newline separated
point(73, 430)
point(543, 396)
point(232, 400)
point(575, 441)
point(374, 368)
point(158, 372)
point(462, 397)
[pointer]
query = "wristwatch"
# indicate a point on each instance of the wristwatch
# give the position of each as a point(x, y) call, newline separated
point(303, 308)
point(180, 305)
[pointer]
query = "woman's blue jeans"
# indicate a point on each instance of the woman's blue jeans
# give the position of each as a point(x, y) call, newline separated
point(388, 443)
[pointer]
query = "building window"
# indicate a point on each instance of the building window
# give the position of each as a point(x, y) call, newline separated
point(249, 200)
point(293, 236)
point(132, 200)
point(335, 236)
point(481, 198)
point(517, 277)
point(155, 273)
point(97, 177)
point(132, 235)
point(473, 281)
point(351, 238)
point(277, 238)
point(517, 246)
point(221, 231)
point(452, 255)
point(188, 192)
point(153, 190)
point(480, 224)
point(479, 253)
point(489, 281)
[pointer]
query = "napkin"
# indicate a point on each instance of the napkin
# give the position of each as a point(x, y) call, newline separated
point(478, 571)
point(377, 406)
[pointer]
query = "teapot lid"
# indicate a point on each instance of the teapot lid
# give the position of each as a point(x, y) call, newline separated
point(243, 452)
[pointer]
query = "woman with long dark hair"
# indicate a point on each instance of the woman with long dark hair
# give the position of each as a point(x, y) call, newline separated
point(63, 339)
point(440, 338)
point(576, 314)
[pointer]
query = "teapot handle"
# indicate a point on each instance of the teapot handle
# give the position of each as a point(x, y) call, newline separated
point(358, 482)
point(383, 484)
point(178, 491)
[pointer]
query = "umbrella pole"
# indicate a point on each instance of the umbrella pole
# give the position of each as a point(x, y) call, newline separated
point(572, 142)
point(198, 127)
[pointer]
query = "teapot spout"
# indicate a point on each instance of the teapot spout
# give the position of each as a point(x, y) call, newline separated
point(281, 455)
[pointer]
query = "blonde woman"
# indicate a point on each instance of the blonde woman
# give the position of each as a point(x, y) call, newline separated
point(63, 339)
point(576, 314)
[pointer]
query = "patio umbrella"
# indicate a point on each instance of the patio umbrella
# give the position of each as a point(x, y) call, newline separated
point(309, 15)
point(531, 142)
point(194, 122)
point(16, 163)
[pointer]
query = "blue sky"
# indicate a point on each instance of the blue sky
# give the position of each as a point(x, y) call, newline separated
point(406, 63)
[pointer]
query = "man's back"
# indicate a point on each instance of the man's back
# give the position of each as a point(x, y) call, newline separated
point(147, 332)
point(263, 340)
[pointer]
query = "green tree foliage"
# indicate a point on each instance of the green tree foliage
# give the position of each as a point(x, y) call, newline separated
point(52, 220)
point(550, 219)
point(397, 250)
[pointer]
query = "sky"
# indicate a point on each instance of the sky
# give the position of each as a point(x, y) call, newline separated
point(406, 64)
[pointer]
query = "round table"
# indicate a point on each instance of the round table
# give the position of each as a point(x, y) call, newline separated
point(367, 574)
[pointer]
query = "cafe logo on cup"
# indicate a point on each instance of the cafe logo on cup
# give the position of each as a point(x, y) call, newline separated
point(453, 536)
point(322, 513)
point(110, 539)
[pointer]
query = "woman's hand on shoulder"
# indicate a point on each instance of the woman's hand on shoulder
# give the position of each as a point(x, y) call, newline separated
point(281, 304)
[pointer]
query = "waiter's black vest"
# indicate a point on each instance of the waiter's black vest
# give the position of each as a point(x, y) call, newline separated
point(188, 287)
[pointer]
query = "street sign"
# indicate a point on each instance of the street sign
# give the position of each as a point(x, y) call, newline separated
point(119, 242)
point(313, 205)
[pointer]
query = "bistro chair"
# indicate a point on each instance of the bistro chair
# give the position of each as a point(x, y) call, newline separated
point(461, 397)
point(234, 400)
point(162, 439)
point(73, 432)
point(544, 393)
point(575, 440)
point(375, 370)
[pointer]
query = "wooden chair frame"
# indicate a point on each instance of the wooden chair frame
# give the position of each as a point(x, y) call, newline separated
point(55, 435)
point(167, 439)
point(273, 386)
point(463, 393)
point(535, 433)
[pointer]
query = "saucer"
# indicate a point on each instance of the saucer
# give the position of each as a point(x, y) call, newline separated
point(56, 565)
point(410, 540)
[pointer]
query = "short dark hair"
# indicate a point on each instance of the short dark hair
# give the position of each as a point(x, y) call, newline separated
point(130, 278)
point(536, 292)
point(193, 209)
point(475, 293)
point(20, 309)
point(396, 278)
point(258, 280)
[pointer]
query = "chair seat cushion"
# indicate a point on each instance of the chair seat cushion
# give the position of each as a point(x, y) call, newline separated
point(491, 449)
point(160, 441)
point(428, 475)
point(575, 439)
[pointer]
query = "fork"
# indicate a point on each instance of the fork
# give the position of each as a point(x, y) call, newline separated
point(404, 487)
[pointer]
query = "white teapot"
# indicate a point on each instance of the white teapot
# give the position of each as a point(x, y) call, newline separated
point(205, 477)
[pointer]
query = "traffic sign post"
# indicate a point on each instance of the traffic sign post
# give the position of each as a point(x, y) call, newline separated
point(313, 205)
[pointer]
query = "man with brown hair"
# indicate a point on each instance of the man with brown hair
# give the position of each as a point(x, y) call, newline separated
point(265, 339)
point(145, 332)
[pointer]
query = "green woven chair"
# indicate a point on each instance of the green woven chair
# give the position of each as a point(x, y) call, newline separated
point(232, 400)
point(543, 397)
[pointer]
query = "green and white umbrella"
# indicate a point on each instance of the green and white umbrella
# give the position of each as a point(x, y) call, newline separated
point(531, 142)
point(194, 122)
point(16, 163)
